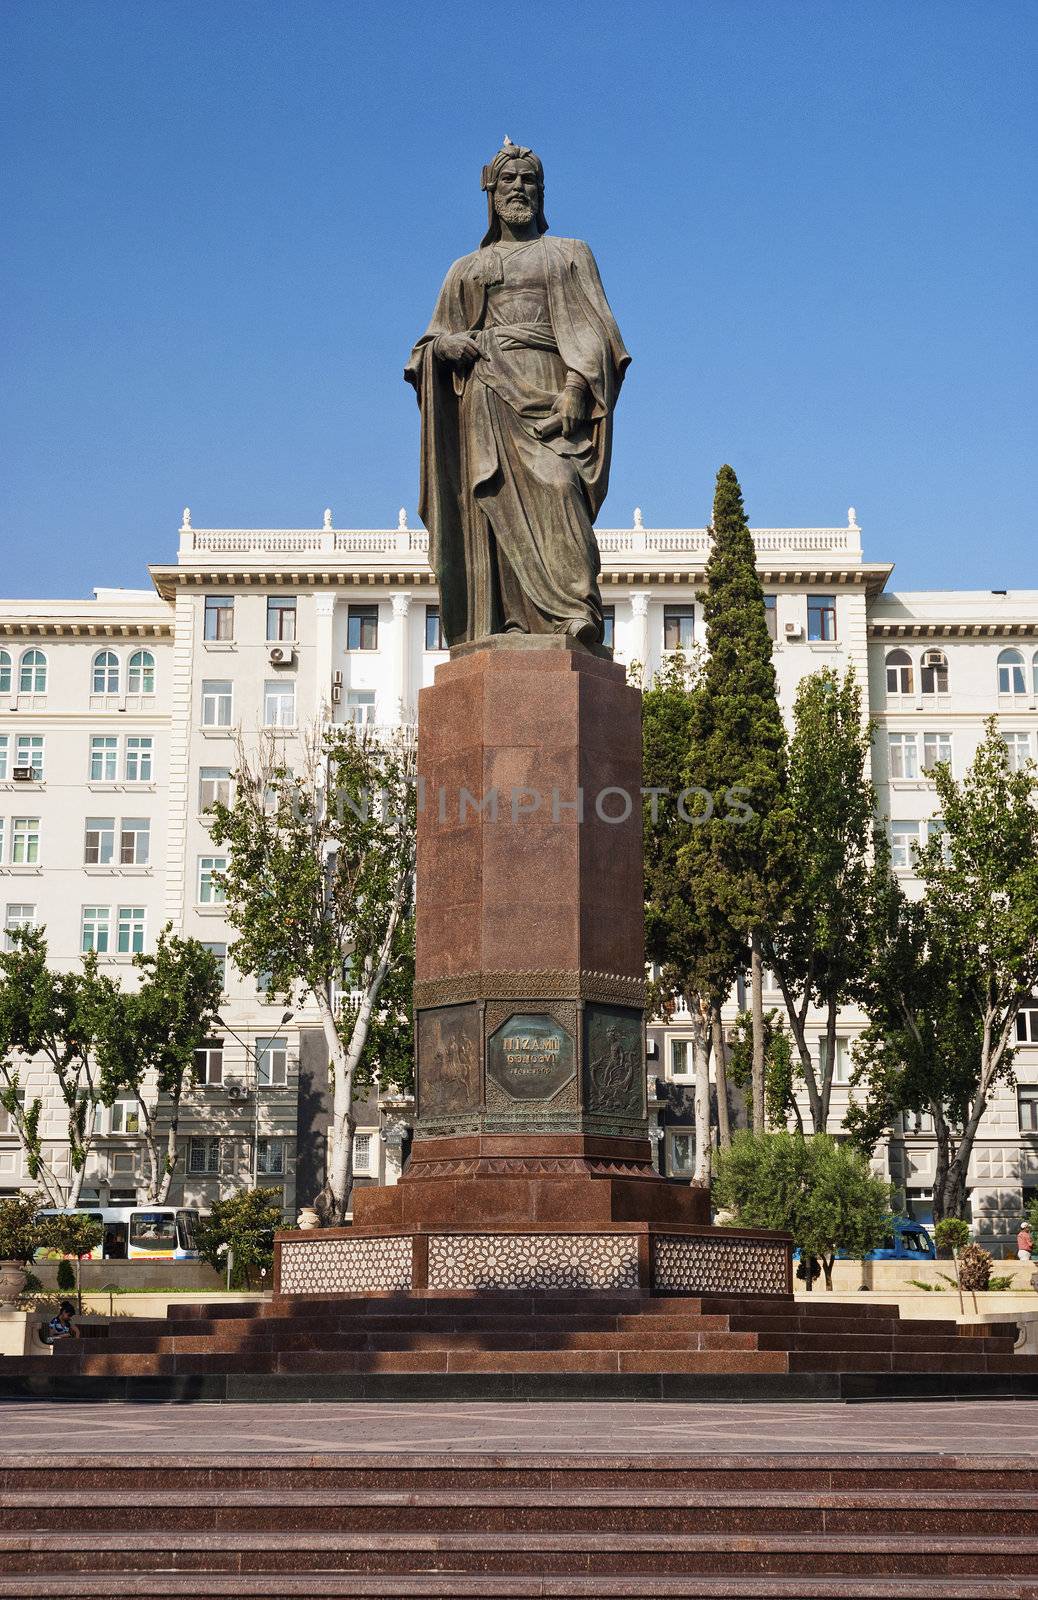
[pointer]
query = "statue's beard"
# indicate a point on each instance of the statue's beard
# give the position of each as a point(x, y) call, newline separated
point(517, 210)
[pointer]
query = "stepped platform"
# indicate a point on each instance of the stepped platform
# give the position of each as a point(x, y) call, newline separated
point(510, 1345)
point(927, 1526)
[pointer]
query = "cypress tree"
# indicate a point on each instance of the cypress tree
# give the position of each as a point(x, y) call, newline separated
point(739, 858)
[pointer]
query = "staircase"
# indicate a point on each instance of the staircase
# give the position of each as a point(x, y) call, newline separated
point(505, 1346)
point(847, 1526)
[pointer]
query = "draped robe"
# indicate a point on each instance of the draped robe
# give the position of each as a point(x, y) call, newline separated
point(510, 512)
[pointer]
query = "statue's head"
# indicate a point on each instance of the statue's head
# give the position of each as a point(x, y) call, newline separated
point(514, 182)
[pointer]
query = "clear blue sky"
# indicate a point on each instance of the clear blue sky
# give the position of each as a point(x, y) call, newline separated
point(226, 221)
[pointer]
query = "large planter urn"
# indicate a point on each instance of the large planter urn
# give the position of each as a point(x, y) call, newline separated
point(13, 1275)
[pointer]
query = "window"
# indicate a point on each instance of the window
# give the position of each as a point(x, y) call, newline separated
point(214, 787)
point(104, 757)
point(1027, 1025)
point(96, 929)
point(933, 677)
point(134, 842)
point(100, 841)
point(281, 617)
point(130, 931)
point(140, 677)
point(279, 703)
point(608, 626)
point(211, 893)
point(681, 1058)
point(220, 952)
point(821, 616)
point(1027, 1101)
point(434, 639)
point(842, 1073)
point(937, 748)
point(270, 1158)
point(203, 1156)
point(1018, 750)
point(138, 758)
point(32, 673)
point(219, 617)
point(1011, 672)
point(362, 628)
point(1034, 674)
point(771, 615)
point(271, 1063)
point(19, 915)
point(207, 1063)
point(900, 676)
point(1, 838)
point(217, 703)
point(678, 627)
point(904, 841)
point(3, 755)
point(126, 1115)
point(29, 753)
point(5, 671)
point(25, 841)
point(917, 1124)
point(681, 1152)
point(362, 1152)
point(360, 706)
point(105, 678)
point(901, 748)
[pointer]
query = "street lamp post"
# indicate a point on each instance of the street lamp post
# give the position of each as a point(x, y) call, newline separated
point(252, 1052)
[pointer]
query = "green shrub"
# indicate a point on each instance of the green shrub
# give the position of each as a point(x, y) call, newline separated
point(245, 1223)
point(996, 1285)
point(66, 1276)
point(952, 1234)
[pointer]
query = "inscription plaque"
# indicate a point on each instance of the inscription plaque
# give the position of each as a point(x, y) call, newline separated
point(530, 1057)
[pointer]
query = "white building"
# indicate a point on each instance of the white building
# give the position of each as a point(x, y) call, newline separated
point(255, 628)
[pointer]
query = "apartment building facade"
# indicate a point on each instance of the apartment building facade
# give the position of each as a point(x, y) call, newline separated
point(275, 632)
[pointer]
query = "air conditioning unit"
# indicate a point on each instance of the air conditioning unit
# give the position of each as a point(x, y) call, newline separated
point(794, 630)
point(22, 774)
point(336, 688)
point(281, 655)
point(235, 1090)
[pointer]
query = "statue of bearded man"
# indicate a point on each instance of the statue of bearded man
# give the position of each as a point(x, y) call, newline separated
point(517, 376)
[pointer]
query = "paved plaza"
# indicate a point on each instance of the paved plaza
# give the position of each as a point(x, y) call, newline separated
point(1004, 1428)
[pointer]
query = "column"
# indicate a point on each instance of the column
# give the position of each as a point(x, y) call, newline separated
point(639, 650)
point(403, 704)
point(324, 655)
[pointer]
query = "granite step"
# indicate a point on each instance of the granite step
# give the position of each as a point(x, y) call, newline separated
point(484, 1586)
point(34, 1520)
point(565, 1552)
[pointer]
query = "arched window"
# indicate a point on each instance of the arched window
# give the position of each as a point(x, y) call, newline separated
point(32, 673)
point(106, 673)
point(900, 677)
point(1034, 670)
point(933, 676)
point(141, 675)
point(5, 671)
point(1011, 672)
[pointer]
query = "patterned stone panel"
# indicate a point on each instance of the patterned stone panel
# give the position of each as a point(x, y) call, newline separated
point(533, 1261)
point(726, 1264)
point(345, 1266)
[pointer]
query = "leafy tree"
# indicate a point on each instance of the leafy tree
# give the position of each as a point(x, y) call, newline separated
point(320, 889)
point(818, 1189)
point(947, 974)
point(697, 954)
point(74, 1235)
point(780, 1074)
point(50, 1015)
point(146, 1039)
point(738, 860)
point(815, 945)
point(244, 1224)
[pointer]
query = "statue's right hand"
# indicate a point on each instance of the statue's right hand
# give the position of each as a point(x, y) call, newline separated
point(460, 349)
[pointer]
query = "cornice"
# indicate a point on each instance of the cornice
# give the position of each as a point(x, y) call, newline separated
point(921, 628)
point(73, 628)
point(168, 580)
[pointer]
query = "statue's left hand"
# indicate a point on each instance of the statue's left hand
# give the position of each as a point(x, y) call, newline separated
point(571, 408)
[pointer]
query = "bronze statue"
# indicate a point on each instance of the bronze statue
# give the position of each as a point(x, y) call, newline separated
point(517, 376)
